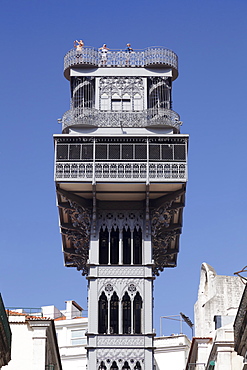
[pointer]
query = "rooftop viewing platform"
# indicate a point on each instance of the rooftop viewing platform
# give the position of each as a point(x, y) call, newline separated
point(151, 57)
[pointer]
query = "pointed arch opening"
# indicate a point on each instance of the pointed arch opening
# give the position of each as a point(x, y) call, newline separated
point(102, 366)
point(114, 246)
point(114, 366)
point(137, 366)
point(126, 246)
point(102, 314)
point(114, 303)
point(137, 312)
point(103, 246)
point(126, 309)
point(137, 246)
point(126, 366)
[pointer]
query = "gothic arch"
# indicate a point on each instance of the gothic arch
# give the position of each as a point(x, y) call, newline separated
point(102, 314)
point(126, 366)
point(137, 314)
point(114, 314)
point(137, 246)
point(126, 314)
point(102, 366)
point(103, 246)
point(114, 366)
point(137, 366)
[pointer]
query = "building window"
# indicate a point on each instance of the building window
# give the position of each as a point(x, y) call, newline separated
point(83, 92)
point(114, 303)
point(78, 337)
point(126, 366)
point(114, 246)
point(114, 366)
point(103, 314)
point(159, 93)
point(126, 247)
point(121, 94)
point(102, 366)
point(126, 307)
point(137, 366)
point(137, 311)
point(103, 246)
point(104, 102)
point(137, 246)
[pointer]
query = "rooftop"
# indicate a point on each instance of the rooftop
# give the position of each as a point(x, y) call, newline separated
point(151, 57)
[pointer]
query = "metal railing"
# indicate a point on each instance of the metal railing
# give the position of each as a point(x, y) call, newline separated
point(94, 117)
point(119, 171)
point(119, 58)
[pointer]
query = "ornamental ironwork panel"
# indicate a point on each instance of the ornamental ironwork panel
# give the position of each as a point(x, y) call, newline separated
point(157, 116)
point(119, 58)
point(121, 171)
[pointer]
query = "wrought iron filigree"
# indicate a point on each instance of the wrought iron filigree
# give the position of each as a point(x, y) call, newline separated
point(82, 116)
point(162, 236)
point(108, 171)
point(78, 233)
point(119, 58)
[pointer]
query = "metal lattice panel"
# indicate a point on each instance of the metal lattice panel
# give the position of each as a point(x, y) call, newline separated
point(119, 58)
point(121, 171)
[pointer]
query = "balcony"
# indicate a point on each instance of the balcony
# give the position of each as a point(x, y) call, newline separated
point(118, 171)
point(90, 117)
point(150, 57)
point(121, 159)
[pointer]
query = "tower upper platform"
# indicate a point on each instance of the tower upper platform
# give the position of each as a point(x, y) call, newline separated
point(149, 58)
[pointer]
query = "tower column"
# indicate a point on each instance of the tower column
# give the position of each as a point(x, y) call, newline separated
point(121, 173)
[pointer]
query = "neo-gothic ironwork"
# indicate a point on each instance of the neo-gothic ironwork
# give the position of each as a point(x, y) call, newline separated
point(118, 58)
point(87, 117)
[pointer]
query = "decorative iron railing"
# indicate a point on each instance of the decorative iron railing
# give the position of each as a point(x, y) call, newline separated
point(119, 171)
point(119, 58)
point(149, 117)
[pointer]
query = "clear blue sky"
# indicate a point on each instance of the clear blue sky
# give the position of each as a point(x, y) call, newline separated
point(210, 95)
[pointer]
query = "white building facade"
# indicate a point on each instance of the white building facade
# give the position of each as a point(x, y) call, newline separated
point(215, 310)
point(121, 173)
point(34, 343)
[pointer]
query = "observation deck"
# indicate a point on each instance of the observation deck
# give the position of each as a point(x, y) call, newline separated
point(151, 57)
point(142, 160)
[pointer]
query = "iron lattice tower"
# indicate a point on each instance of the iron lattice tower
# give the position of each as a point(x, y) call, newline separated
point(120, 173)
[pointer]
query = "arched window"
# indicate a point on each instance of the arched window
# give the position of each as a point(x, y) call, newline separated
point(159, 93)
point(126, 247)
point(114, 314)
point(103, 314)
point(126, 366)
point(137, 312)
point(103, 246)
point(126, 307)
point(114, 366)
point(114, 246)
point(137, 246)
point(102, 366)
point(82, 92)
point(137, 366)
